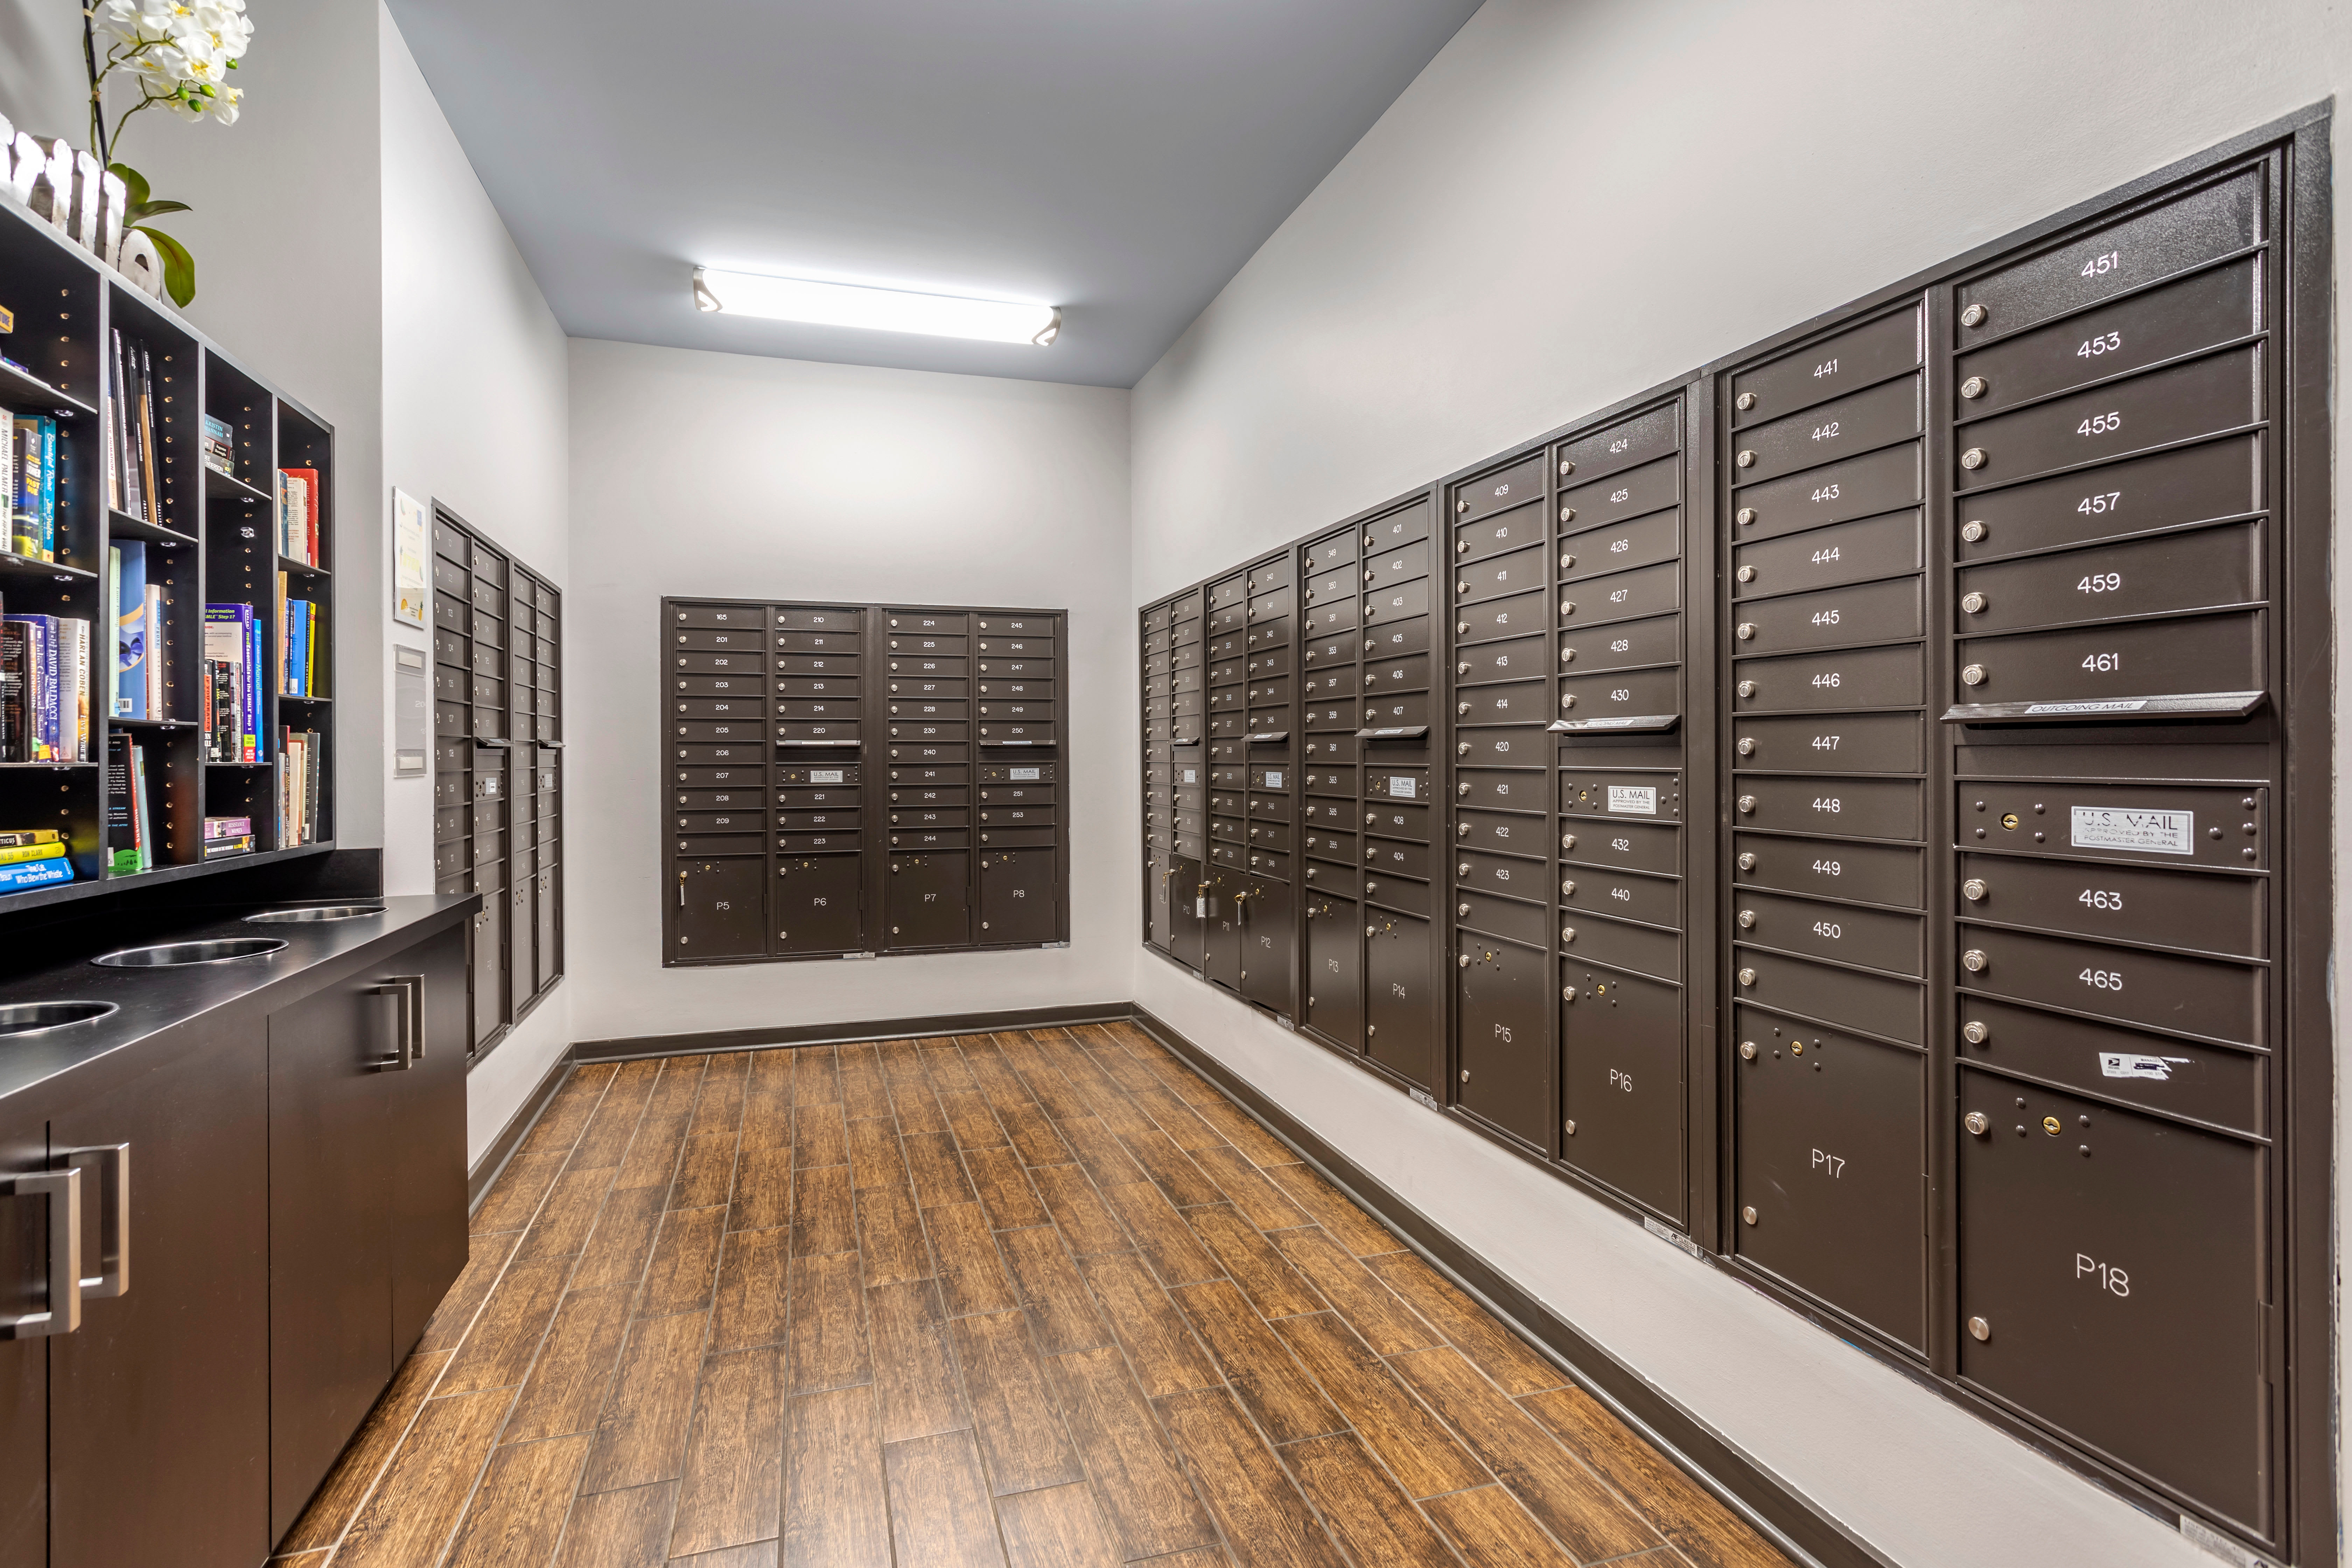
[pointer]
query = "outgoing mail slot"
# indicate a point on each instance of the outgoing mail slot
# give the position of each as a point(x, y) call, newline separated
point(1622, 595)
point(1500, 661)
point(1515, 702)
point(1504, 875)
point(1825, 683)
point(1510, 618)
point(2216, 479)
point(1327, 781)
point(1408, 673)
point(1508, 918)
point(2120, 1268)
point(2202, 912)
point(1873, 939)
point(1322, 843)
point(1501, 533)
point(1397, 818)
point(1621, 1046)
point(1607, 503)
point(1645, 542)
point(1520, 481)
point(2198, 570)
point(2129, 334)
point(1500, 748)
point(1022, 773)
point(1862, 808)
point(1859, 422)
point(736, 731)
point(2182, 233)
point(1831, 1163)
point(2127, 665)
point(1622, 445)
point(1504, 833)
point(1501, 791)
point(1642, 949)
point(1847, 997)
point(1595, 700)
point(1396, 603)
point(732, 616)
point(1499, 574)
point(1633, 845)
point(1824, 557)
point(1861, 356)
point(1867, 612)
point(1385, 858)
point(1881, 482)
point(1622, 645)
point(2156, 409)
point(2162, 1073)
point(1850, 742)
point(1506, 1055)
point(1618, 793)
point(1870, 873)
point(1339, 748)
point(1385, 710)
point(1395, 640)
point(1653, 900)
point(822, 620)
point(2201, 996)
point(1404, 564)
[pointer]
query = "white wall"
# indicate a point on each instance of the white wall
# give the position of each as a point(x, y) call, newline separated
point(723, 475)
point(1572, 203)
point(475, 390)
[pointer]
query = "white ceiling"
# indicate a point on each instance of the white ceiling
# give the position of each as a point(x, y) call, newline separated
point(1120, 158)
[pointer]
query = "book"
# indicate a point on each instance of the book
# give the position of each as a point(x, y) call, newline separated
point(32, 497)
point(142, 820)
point(222, 848)
point(157, 707)
point(220, 447)
point(150, 491)
point(129, 628)
point(122, 847)
point(17, 838)
point(74, 701)
point(16, 682)
point(228, 648)
point(14, 853)
point(306, 517)
point(229, 826)
point(35, 874)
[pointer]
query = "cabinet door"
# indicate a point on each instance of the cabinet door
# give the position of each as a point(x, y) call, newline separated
point(1269, 927)
point(1221, 953)
point(1400, 1003)
point(522, 931)
point(24, 1364)
point(489, 967)
point(427, 1144)
point(930, 900)
point(330, 1204)
point(719, 908)
point(551, 911)
point(1335, 972)
point(1158, 875)
point(817, 899)
point(159, 1405)
point(1188, 896)
point(1016, 895)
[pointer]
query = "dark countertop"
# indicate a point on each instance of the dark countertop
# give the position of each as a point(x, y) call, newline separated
point(150, 1002)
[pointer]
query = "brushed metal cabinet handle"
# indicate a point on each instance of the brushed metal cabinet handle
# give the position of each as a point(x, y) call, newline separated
point(110, 1163)
point(415, 982)
point(404, 1054)
point(62, 1191)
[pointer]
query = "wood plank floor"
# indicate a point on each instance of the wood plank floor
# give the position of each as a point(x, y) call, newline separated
point(1038, 1299)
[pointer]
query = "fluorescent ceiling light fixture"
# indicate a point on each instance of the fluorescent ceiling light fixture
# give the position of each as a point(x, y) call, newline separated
point(880, 310)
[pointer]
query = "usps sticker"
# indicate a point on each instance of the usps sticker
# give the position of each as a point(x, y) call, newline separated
point(1028, 775)
point(1273, 778)
point(2129, 1064)
point(1402, 786)
point(825, 775)
point(2140, 832)
point(1633, 800)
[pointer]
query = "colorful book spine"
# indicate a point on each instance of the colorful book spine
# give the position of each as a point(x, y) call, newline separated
point(17, 854)
point(35, 874)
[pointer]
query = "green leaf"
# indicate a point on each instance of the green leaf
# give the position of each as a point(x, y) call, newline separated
point(134, 183)
point(179, 267)
point(140, 212)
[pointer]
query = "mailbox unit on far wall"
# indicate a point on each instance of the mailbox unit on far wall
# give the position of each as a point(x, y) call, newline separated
point(1862, 808)
point(848, 780)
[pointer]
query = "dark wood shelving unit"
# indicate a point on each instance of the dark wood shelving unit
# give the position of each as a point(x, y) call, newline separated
point(212, 540)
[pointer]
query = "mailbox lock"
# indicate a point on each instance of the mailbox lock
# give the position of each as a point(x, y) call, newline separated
point(1747, 919)
point(1973, 604)
point(1975, 1032)
point(1747, 632)
point(1974, 457)
point(1749, 1213)
point(1462, 830)
point(1461, 587)
point(1974, 675)
point(1462, 668)
point(1568, 607)
point(1568, 700)
point(1977, 1123)
point(1371, 930)
point(1974, 961)
point(1461, 628)
point(1462, 910)
point(1568, 933)
point(1748, 1050)
point(1463, 505)
point(1461, 708)
point(1567, 656)
point(1566, 561)
point(1568, 841)
point(1461, 869)
point(1747, 574)
point(1462, 789)
point(1746, 459)
point(1744, 402)
point(1746, 805)
point(1973, 889)
point(1570, 1127)
point(1977, 1327)
point(1747, 746)
point(1568, 514)
point(1748, 977)
point(1974, 316)
point(1461, 547)
point(1568, 888)
point(2052, 1126)
point(1461, 748)
point(1748, 688)
point(1972, 531)
point(1566, 467)
point(1748, 862)
point(1746, 515)
point(1973, 387)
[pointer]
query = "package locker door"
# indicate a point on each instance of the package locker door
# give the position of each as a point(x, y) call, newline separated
point(721, 908)
point(1160, 873)
point(1403, 1009)
point(1188, 904)
point(818, 901)
point(1504, 1066)
point(930, 900)
point(1334, 981)
point(1221, 958)
point(1016, 895)
point(1269, 924)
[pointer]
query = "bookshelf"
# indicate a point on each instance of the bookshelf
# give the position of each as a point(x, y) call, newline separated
point(202, 536)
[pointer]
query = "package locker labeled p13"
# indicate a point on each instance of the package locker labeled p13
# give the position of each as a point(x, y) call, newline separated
point(1860, 808)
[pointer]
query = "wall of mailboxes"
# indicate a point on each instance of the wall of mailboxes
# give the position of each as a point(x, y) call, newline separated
point(854, 781)
point(1862, 808)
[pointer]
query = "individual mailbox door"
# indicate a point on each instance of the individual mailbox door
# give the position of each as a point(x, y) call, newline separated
point(1642, 543)
point(2111, 1285)
point(1499, 574)
point(1870, 873)
point(2146, 412)
point(1610, 501)
point(2138, 659)
point(930, 900)
point(1833, 617)
point(2220, 1085)
point(1499, 533)
point(1335, 971)
point(1505, 875)
point(1631, 846)
point(1397, 528)
point(1621, 644)
point(1269, 919)
point(1507, 660)
point(1394, 640)
point(1622, 945)
point(1016, 895)
point(1622, 595)
point(1653, 900)
point(1832, 1164)
point(2192, 484)
point(1498, 491)
point(2201, 569)
point(2202, 996)
point(1622, 445)
point(1503, 791)
point(1503, 834)
point(1852, 742)
point(1400, 1006)
point(1598, 702)
point(1221, 957)
point(1891, 1008)
point(1886, 481)
point(1825, 557)
point(1844, 933)
point(1187, 911)
point(1505, 1051)
point(1859, 422)
point(1831, 368)
point(1621, 1067)
point(1865, 809)
point(1162, 931)
point(817, 900)
point(1829, 682)
point(1508, 617)
point(1510, 702)
point(721, 909)
point(2121, 903)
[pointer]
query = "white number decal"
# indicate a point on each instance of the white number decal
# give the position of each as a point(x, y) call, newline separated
point(1503, 1033)
point(1825, 618)
point(1828, 803)
point(2100, 424)
point(2102, 979)
point(2100, 265)
point(1616, 496)
point(2103, 663)
point(2100, 899)
point(1826, 492)
point(1619, 547)
point(1620, 444)
point(1828, 868)
point(1829, 929)
point(1827, 367)
point(1620, 844)
point(1826, 432)
point(1820, 556)
point(2092, 506)
point(1620, 595)
point(2100, 343)
point(2101, 583)
point(2113, 1280)
point(1825, 742)
point(1623, 694)
point(1827, 678)
point(1624, 893)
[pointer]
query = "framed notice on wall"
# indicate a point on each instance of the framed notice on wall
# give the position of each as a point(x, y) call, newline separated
point(408, 547)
